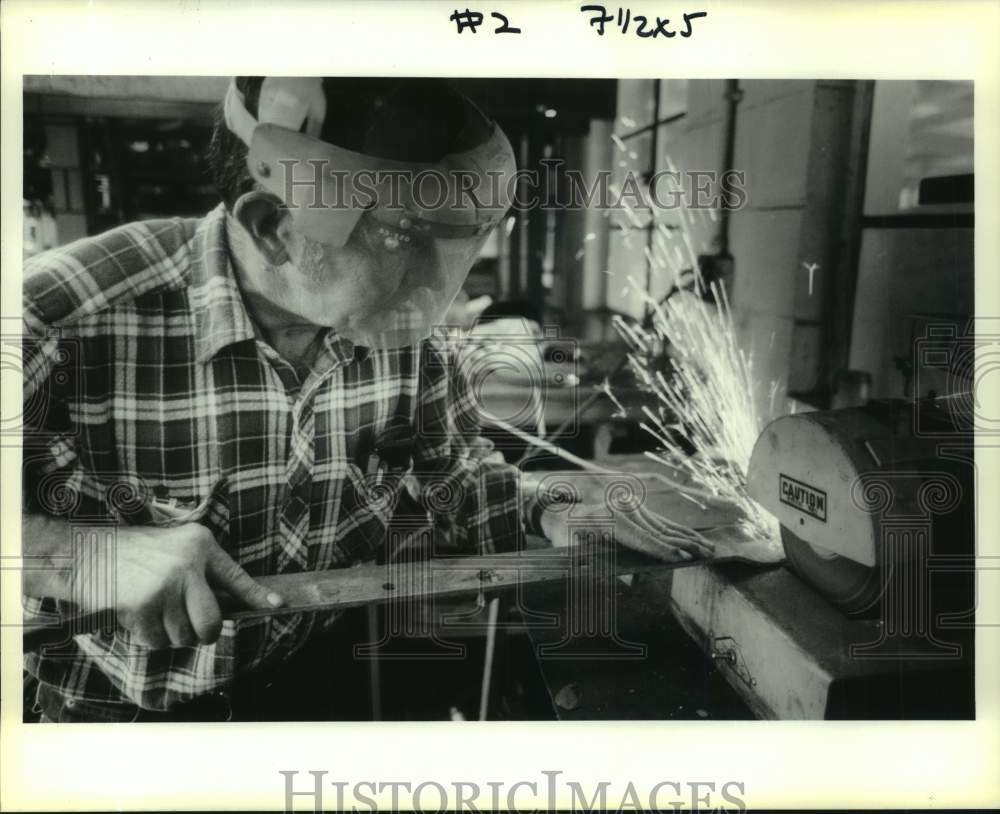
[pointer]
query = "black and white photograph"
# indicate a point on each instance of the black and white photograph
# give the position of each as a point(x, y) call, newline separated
point(354, 399)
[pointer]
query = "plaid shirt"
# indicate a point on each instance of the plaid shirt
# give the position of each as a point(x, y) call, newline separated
point(146, 382)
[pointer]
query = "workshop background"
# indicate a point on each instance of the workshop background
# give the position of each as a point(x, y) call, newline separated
point(856, 235)
point(869, 181)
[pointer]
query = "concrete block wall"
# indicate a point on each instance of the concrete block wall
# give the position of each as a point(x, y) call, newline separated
point(773, 140)
point(636, 110)
point(693, 143)
point(790, 143)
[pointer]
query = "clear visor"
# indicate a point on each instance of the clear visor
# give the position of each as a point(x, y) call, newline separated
point(407, 281)
point(403, 235)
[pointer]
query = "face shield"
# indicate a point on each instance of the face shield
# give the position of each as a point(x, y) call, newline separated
point(413, 230)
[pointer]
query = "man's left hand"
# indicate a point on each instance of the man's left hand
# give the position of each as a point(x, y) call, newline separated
point(638, 528)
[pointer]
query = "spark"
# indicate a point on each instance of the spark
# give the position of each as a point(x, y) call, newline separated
point(620, 411)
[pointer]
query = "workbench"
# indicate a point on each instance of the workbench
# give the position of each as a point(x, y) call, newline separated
point(653, 670)
point(780, 652)
point(784, 650)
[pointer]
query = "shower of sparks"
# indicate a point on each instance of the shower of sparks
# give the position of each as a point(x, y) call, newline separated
point(706, 399)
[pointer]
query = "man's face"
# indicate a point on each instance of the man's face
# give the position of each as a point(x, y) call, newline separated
point(367, 285)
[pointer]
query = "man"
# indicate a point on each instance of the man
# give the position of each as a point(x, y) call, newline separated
point(250, 393)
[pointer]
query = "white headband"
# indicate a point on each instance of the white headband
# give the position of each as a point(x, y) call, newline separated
point(284, 100)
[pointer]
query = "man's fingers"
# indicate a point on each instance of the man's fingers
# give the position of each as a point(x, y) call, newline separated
point(223, 571)
point(660, 542)
point(203, 611)
point(178, 626)
point(668, 530)
point(641, 531)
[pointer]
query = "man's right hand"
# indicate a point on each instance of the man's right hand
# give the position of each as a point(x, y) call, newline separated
point(163, 580)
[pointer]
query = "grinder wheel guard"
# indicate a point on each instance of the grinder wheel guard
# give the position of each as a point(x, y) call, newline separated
point(853, 587)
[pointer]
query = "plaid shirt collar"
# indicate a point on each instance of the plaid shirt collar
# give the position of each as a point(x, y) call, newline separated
point(221, 317)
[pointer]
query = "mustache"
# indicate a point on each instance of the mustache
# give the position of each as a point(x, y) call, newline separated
point(412, 266)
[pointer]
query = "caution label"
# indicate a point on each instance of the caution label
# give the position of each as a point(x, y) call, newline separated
point(807, 499)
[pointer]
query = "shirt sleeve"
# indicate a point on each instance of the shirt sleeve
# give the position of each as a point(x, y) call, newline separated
point(53, 479)
point(463, 481)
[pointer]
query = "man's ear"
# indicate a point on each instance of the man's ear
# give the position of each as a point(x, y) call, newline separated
point(263, 215)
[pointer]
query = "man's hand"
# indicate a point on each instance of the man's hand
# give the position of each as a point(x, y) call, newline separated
point(161, 590)
point(574, 504)
point(638, 528)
